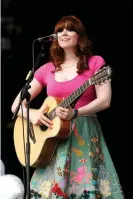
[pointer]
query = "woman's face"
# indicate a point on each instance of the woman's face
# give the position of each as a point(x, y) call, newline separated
point(67, 39)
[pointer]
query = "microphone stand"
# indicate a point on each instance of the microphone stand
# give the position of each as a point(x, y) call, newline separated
point(26, 95)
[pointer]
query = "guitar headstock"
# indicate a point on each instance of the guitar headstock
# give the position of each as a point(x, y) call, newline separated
point(101, 75)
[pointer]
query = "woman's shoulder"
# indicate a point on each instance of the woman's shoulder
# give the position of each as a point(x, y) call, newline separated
point(95, 62)
point(43, 72)
point(94, 59)
point(47, 67)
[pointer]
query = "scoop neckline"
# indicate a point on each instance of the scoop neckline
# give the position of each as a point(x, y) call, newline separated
point(67, 80)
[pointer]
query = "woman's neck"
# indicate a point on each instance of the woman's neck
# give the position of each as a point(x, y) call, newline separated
point(70, 56)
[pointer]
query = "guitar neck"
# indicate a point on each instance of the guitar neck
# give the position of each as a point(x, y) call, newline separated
point(71, 98)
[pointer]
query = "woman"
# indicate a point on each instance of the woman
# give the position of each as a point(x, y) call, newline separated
point(81, 166)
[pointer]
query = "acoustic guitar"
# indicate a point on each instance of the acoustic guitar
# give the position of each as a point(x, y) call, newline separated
point(43, 140)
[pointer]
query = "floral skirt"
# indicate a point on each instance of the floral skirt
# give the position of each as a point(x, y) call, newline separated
point(81, 167)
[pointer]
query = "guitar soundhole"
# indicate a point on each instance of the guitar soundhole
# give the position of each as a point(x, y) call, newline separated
point(43, 127)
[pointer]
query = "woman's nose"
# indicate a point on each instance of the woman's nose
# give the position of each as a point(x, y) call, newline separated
point(64, 31)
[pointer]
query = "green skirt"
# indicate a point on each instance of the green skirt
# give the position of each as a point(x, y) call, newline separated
point(81, 167)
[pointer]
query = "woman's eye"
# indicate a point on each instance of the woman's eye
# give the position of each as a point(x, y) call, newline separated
point(70, 30)
point(60, 30)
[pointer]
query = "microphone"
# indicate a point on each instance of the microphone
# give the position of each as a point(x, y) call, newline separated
point(47, 38)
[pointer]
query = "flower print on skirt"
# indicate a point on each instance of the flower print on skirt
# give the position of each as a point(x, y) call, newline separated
point(81, 167)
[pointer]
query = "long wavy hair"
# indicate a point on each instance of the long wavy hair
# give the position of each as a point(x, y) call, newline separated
point(83, 49)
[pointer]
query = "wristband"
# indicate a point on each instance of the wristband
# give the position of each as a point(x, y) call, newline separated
point(75, 113)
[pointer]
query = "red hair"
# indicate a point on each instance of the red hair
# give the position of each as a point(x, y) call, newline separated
point(83, 48)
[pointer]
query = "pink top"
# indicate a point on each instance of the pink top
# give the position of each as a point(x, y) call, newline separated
point(63, 89)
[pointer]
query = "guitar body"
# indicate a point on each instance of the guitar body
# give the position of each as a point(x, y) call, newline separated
point(42, 151)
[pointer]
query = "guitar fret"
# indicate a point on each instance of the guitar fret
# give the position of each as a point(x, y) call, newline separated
point(88, 83)
point(62, 104)
point(85, 85)
point(76, 93)
point(82, 88)
point(65, 103)
point(69, 100)
point(52, 114)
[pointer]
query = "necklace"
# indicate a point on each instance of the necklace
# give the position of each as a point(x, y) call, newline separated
point(69, 66)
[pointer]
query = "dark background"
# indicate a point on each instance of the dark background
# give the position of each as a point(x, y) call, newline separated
point(109, 27)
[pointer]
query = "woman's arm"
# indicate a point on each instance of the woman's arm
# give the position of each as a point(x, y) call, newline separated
point(103, 93)
point(35, 89)
point(37, 117)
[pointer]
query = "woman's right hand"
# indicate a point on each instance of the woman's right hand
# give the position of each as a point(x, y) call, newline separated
point(38, 118)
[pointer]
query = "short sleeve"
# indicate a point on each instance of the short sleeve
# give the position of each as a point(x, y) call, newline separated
point(41, 74)
point(96, 62)
point(99, 63)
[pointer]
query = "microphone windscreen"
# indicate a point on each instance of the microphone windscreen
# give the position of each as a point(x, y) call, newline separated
point(11, 187)
point(2, 168)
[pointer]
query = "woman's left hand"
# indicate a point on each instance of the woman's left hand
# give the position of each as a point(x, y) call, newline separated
point(65, 113)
